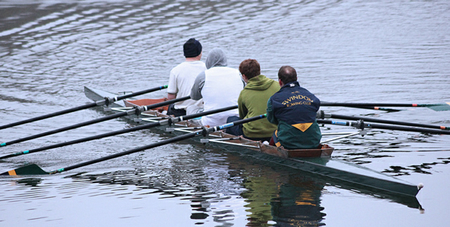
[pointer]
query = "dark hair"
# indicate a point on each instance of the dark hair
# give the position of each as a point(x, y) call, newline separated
point(250, 68)
point(287, 74)
point(192, 48)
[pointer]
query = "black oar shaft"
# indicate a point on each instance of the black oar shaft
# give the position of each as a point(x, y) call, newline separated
point(65, 128)
point(374, 104)
point(82, 107)
point(164, 142)
point(136, 128)
point(141, 92)
point(171, 140)
point(90, 105)
point(139, 127)
point(113, 116)
point(34, 169)
point(378, 126)
point(323, 115)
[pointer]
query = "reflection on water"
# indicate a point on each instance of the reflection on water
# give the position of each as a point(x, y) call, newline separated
point(277, 200)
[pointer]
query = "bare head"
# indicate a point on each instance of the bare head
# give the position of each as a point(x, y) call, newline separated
point(286, 75)
point(249, 68)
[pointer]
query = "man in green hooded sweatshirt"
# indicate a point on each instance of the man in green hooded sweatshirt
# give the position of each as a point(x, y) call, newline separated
point(252, 102)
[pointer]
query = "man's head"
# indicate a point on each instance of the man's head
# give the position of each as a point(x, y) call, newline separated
point(250, 68)
point(192, 48)
point(287, 74)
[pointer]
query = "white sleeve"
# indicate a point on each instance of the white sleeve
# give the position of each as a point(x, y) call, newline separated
point(172, 86)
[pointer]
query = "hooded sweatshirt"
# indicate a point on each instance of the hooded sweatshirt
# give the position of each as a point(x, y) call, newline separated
point(253, 102)
point(219, 86)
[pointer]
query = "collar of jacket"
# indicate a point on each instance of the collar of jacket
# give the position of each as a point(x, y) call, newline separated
point(291, 84)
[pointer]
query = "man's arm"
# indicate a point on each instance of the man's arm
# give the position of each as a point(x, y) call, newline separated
point(172, 88)
point(242, 108)
point(171, 96)
point(269, 111)
point(196, 91)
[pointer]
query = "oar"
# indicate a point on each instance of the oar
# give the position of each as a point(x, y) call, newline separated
point(106, 101)
point(136, 110)
point(322, 115)
point(361, 125)
point(436, 107)
point(377, 108)
point(35, 169)
point(136, 128)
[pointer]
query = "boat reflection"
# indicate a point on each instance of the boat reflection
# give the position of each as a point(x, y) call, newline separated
point(291, 197)
point(220, 185)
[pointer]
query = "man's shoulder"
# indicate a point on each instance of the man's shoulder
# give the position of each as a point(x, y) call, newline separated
point(189, 64)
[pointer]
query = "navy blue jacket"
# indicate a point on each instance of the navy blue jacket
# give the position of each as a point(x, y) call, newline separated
point(294, 109)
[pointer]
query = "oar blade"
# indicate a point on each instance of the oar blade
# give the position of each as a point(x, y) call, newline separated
point(32, 169)
point(440, 107)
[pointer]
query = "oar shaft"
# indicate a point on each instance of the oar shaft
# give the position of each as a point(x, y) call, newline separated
point(165, 103)
point(378, 126)
point(82, 107)
point(323, 115)
point(375, 108)
point(435, 106)
point(376, 104)
point(109, 117)
point(196, 115)
point(90, 105)
point(164, 142)
point(141, 92)
point(139, 127)
point(117, 115)
point(136, 128)
point(171, 140)
point(34, 169)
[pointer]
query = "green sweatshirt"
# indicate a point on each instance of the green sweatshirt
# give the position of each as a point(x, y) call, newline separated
point(252, 102)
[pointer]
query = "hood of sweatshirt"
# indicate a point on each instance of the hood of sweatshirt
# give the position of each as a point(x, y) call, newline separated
point(216, 58)
point(259, 83)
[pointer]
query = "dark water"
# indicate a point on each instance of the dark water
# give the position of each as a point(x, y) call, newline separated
point(344, 51)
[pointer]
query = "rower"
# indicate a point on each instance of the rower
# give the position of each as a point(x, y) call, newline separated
point(182, 78)
point(219, 86)
point(294, 109)
point(252, 102)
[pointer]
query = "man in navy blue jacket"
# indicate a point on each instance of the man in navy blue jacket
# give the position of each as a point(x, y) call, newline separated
point(294, 109)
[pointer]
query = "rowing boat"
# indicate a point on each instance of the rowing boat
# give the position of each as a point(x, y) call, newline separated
point(324, 166)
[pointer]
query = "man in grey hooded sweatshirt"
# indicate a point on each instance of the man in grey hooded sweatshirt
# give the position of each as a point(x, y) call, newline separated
point(219, 86)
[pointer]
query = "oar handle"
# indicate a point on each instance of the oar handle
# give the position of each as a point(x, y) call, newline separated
point(193, 116)
point(140, 109)
point(206, 131)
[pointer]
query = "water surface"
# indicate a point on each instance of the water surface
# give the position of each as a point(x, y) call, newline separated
point(344, 51)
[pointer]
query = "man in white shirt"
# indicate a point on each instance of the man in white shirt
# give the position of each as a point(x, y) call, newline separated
point(219, 86)
point(182, 78)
